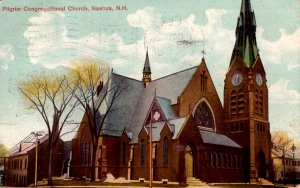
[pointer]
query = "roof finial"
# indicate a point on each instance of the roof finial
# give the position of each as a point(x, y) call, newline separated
point(203, 53)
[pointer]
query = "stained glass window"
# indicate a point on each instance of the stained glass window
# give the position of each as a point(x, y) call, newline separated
point(142, 153)
point(165, 152)
point(124, 153)
point(203, 116)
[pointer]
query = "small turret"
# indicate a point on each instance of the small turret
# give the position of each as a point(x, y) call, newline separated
point(146, 71)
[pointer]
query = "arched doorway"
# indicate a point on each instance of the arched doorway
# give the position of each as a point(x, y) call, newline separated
point(261, 159)
point(188, 155)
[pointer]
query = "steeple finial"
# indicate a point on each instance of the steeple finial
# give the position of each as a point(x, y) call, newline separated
point(245, 45)
point(203, 53)
point(146, 70)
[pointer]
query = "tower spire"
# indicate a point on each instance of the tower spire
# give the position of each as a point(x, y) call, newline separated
point(146, 70)
point(245, 45)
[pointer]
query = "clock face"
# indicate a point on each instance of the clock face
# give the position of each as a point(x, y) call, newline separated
point(259, 79)
point(237, 79)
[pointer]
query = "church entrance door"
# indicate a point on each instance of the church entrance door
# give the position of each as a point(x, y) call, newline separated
point(261, 165)
point(189, 161)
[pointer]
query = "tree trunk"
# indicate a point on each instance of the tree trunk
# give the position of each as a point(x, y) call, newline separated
point(93, 167)
point(50, 167)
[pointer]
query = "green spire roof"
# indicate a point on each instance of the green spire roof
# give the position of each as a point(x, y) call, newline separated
point(245, 45)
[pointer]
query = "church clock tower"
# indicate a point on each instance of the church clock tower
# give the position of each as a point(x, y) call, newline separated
point(246, 99)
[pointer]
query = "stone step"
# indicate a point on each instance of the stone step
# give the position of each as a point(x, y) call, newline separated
point(192, 181)
point(191, 178)
point(264, 181)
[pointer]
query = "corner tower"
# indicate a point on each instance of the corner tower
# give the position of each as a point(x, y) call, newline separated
point(246, 99)
point(146, 71)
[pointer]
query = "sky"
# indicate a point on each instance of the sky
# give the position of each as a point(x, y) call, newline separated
point(47, 41)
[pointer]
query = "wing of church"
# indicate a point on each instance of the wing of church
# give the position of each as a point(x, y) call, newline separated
point(193, 135)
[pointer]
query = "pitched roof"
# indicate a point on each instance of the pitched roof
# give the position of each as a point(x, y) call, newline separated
point(217, 139)
point(30, 146)
point(130, 110)
point(177, 123)
point(165, 105)
point(168, 88)
point(123, 108)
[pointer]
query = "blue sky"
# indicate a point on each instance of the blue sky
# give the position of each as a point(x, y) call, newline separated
point(47, 42)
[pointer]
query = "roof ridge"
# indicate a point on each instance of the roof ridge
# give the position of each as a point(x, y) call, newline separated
point(175, 73)
point(126, 77)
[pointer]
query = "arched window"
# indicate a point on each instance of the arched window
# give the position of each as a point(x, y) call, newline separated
point(238, 161)
point(220, 159)
point(225, 161)
point(235, 162)
point(209, 159)
point(214, 160)
point(82, 153)
point(142, 153)
point(241, 100)
point(229, 161)
point(233, 103)
point(165, 152)
point(87, 151)
point(259, 102)
point(123, 153)
point(90, 153)
point(203, 116)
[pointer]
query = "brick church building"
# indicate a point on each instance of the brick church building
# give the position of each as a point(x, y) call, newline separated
point(193, 134)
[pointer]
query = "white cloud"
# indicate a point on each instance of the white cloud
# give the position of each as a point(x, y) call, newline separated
point(5, 55)
point(280, 93)
point(286, 47)
point(144, 18)
point(51, 44)
point(177, 44)
point(171, 42)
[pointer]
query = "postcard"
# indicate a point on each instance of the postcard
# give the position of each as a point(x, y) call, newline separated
point(141, 92)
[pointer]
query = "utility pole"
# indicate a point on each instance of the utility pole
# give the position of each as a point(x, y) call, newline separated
point(150, 151)
point(283, 166)
point(36, 134)
point(36, 163)
point(294, 174)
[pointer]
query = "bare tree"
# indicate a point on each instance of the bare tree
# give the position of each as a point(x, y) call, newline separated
point(97, 99)
point(52, 96)
point(282, 142)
